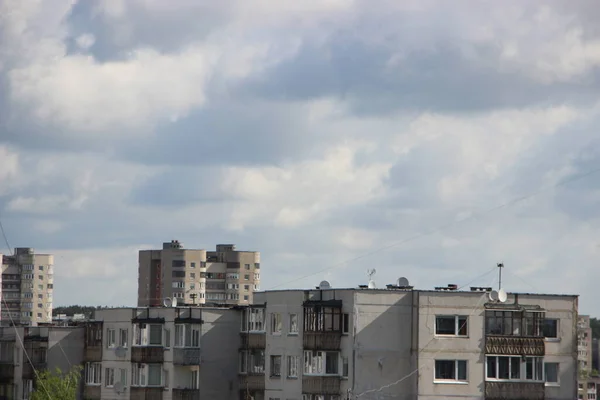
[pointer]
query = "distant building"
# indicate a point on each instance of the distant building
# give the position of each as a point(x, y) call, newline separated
point(47, 347)
point(182, 353)
point(224, 276)
point(27, 288)
point(588, 379)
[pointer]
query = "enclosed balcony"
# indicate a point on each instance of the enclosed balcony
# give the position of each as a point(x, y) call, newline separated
point(323, 325)
point(146, 393)
point(92, 392)
point(514, 390)
point(7, 372)
point(93, 342)
point(321, 385)
point(186, 394)
point(252, 382)
point(147, 355)
point(513, 329)
point(253, 340)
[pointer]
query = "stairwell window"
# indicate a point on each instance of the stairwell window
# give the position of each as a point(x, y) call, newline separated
point(551, 372)
point(550, 328)
point(454, 371)
point(451, 325)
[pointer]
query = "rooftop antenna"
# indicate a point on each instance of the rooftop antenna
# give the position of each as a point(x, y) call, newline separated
point(370, 273)
point(500, 266)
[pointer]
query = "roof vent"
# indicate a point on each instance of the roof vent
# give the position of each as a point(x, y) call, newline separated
point(324, 285)
point(450, 287)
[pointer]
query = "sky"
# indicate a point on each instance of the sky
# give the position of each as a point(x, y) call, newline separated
point(425, 139)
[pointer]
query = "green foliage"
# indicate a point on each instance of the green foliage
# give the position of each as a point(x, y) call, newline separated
point(75, 309)
point(595, 325)
point(55, 385)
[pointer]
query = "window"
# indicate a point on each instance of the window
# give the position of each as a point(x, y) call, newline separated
point(292, 366)
point(293, 328)
point(192, 275)
point(246, 287)
point(551, 372)
point(451, 370)
point(514, 323)
point(123, 376)
point(550, 328)
point(109, 377)
point(93, 373)
point(322, 319)
point(187, 335)
point(123, 337)
point(514, 368)
point(345, 367)
point(179, 285)
point(276, 323)
point(256, 276)
point(321, 362)
point(275, 366)
point(246, 277)
point(178, 264)
point(167, 333)
point(253, 320)
point(41, 267)
point(232, 275)
point(111, 340)
point(345, 323)
point(147, 334)
point(193, 265)
point(451, 325)
point(41, 277)
point(246, 298)
point(256, 265)
point(247, 266)
point(252, 361)
point(146, 375)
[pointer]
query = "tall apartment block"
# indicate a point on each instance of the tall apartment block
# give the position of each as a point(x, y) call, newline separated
point(334, 344)
point(589, 379)
point(27, 287)
point(224, 276)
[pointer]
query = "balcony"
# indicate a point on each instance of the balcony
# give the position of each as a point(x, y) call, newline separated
point(514, 390)
point(322, 340)
point(186, 356)
point(92, 392)
point(28, 370)
point(147, 355)
point(146, 393)
point(253, 340)
point(93, 354)
point(186, 394)
point(7, 372)
point(515, 345)
point(252, 382)
point(321, 385)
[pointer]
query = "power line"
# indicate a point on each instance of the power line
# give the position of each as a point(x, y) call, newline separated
point(445, 226)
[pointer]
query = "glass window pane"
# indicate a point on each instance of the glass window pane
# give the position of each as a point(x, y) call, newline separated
point(503, 368)
point(551, 371)
point(491, 367)
point(445, 325)
point(462, 326)
point(462, 370)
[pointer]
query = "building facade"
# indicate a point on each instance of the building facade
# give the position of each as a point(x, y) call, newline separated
point(178, 353)
point(43, 348)
point(334, 344)
point(588, 378)
point(27, 288)
point(224, 276)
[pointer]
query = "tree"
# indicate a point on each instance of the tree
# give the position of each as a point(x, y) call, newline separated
point(56, 385)
point(595, 325)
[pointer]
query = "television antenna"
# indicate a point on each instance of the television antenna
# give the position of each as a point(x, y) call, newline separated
point(500, 266)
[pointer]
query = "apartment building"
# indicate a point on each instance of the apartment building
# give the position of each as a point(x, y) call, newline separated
point(27, 287)
point(588, 378)
point(333, 344)
point(224, 276)
point(178, 353)
point(48, 347)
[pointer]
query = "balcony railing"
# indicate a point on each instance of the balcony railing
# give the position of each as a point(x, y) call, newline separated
point(186, 394)
point(7, 372)
point(147, 354)
point(92, 392)
point(93, 353)
point(515, 345)
point(186, 356)
point(252, 382)
point(322, 340)
point(146, 393)
point(321, 385)
point(253, 340)
point(514, 390)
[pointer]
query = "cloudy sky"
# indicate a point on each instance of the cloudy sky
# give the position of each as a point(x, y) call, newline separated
point(333, 136)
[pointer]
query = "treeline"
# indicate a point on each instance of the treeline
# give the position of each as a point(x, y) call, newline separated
point(595, 325)
point(76, 309)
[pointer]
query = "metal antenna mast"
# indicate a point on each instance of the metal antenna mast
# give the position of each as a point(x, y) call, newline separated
point(500, 266)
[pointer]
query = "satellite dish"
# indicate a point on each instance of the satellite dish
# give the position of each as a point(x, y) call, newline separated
point(174, 302)
point(324, 285)
point(502, 296)
point(403, 282)
point(120, 351)
point(493, 295)
point(167, 302)
point(119, 387)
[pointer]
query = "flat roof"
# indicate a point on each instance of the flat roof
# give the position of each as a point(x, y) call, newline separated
point(396, 290)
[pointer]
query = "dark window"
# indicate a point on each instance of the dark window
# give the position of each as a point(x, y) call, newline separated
point(550, 328)
point(451, 325)
point(346, 323)
point(451, 370)
point(178, 274)
point(319, 319)
point(513, 323)
point(178, 263)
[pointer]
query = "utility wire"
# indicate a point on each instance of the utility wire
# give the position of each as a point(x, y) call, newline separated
point(446, 226)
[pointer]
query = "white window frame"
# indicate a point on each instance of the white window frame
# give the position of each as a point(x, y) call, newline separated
point(292, 366)
point(93, 373)
point(293, 328)
point(187, 335)
point(123, 337)
point(111, 338)
point(276, 323)
point(457, 326)
point(537, 363)
point(456, 378)
point(109, 377)
point(140, 374)
point(254, 321)
point(272, 359)
point(315, 363)
point(552, 338)
point(141, 336)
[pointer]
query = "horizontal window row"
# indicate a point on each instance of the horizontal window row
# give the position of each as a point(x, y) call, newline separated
point(316, 363)
point(185, 335)
point(253, 320)
point(500, 368)
point(142, 375)
point(506, 323)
